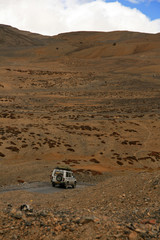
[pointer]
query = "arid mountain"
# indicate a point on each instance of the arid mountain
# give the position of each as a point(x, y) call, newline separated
point(85, 99)
point(90, 101)
point(10, 36)
point(84, 44)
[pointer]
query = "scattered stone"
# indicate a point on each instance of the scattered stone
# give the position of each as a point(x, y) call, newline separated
point(58, 228)
point(150, 221)
point(16, 214)
point(14, 237)
point(140, 230)
point(103, 216)
point(26, 207)
point(43, 213)
point(130, 226)
point(28, 223)
point(133, 236)
point(86, 220)
point(20, 181)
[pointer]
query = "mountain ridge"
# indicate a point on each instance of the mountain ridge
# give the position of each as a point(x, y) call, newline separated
point(86, 44)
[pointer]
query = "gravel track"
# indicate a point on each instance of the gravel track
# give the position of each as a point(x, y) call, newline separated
point(38, 187)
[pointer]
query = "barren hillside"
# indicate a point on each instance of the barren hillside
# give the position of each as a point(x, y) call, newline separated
point(88, 100)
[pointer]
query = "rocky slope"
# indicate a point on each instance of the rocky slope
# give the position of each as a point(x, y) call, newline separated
point(122, 207)
point(88, 100)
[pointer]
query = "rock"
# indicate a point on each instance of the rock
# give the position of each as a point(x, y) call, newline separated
point(1, 232)
point(55, 220)
point(42, 224)
point(28, 223)
point(25, 207)
point(152, 221)
point(130, 226)
point(71, 229)
point(85, 220)
point(9, 208)
point(133, 236)
point(9, 205)
point(29, 214)
point(53, 233)
point(98, 236)
point(139, 230)
point(96, 220)
point(77, 220)
point(16, 214)
point(58, 228)
point(43, 213)
point(149, 221)
point(14, 237)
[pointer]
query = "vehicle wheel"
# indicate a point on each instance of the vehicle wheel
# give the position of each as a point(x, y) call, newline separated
point(59, 177)
point(66, 185)
point(53, 184)
point(74, 185)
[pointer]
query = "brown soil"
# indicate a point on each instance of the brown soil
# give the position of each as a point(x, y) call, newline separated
point(91, 101)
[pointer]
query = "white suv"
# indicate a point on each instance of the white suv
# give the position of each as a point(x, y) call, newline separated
point(63, 177)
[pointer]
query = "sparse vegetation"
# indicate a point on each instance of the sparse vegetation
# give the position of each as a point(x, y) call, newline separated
point(89, 101)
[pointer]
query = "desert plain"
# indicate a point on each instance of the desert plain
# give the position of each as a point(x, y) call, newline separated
point(90, 101)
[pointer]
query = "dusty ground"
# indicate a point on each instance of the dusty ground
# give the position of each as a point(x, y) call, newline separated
point(122, 207)
point(90, 101)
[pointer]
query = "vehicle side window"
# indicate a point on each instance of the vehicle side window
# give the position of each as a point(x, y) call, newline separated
point(67, 174)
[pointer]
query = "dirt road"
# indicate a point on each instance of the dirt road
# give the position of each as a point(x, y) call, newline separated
point(38, 187)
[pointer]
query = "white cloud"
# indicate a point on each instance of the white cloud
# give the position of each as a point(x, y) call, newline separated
point(134, 1)
point(137, 1)
point(51, 17)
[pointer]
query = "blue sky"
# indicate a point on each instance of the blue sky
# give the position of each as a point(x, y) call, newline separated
point(149, 8)
point(51, 17)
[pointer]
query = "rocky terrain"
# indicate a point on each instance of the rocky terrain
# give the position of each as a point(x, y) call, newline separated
point(91, 101)
point(122, 207)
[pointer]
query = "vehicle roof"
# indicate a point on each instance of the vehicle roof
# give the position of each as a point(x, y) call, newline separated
point(63, 169)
